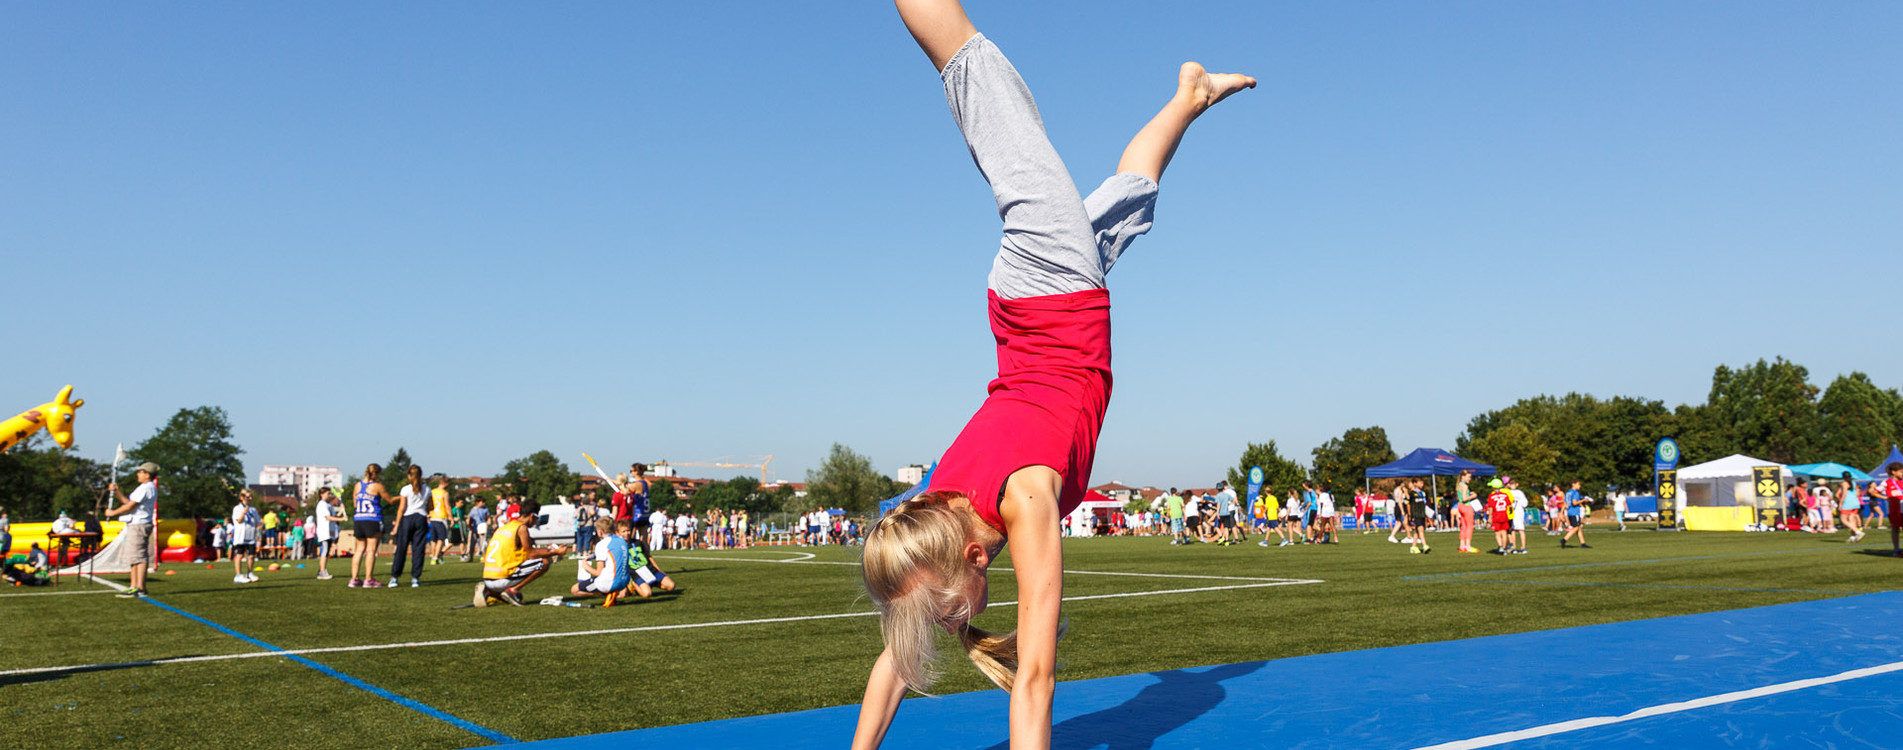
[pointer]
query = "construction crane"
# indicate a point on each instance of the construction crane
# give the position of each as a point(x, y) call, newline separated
point(732, 462)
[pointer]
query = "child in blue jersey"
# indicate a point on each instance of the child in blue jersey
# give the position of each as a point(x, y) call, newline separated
point(1575, 517)
point(606, 571)
point(367, 519)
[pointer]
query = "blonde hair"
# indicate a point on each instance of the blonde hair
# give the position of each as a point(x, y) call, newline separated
point(914, 567)
point(605, 526)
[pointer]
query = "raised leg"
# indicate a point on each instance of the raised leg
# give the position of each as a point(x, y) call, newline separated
point(1196, 91)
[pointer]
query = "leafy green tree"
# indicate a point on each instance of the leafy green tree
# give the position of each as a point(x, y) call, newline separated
point(396, 471)
point(1517, 450)
point(1600, 443)
point(38, 480)
point(1278, 473)
point(1767, 410)
point(1855, 421)
point(1341, 462)
point(662, 495)
point(200, 473)
point(540, 477)
point(846, 480)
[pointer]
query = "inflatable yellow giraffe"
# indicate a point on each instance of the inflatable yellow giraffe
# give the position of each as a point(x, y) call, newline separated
point(56, 416)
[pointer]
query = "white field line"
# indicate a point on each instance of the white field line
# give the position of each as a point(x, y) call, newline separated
point(603, 631)
point(56, 593)
point(114, 585)
point(1575, 725)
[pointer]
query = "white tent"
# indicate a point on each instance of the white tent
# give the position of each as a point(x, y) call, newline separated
point(1725, 482)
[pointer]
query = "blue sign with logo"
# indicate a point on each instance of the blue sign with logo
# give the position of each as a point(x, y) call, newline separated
point(1255, 484)
point(1665, 455)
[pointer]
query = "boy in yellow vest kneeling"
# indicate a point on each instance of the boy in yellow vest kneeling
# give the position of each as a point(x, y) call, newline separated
point(512, 559)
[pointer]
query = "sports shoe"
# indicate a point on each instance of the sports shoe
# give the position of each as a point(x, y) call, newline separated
point(252, 576)
point(324, 575)
point(128, 594)
point(393, 582)
point(415, 583)
point(1583, 545)
point(1519, 552)
point(1426, 549)
point(1265, 543)
point(1413, 549)
point(511, 596)
point(354, 584)
point(371, 583)
point(482, 595)
point(240, 579)
point(1562, 544)
point(1392, 540)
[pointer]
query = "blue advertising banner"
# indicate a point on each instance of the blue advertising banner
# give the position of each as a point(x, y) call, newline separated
point(1665, 455)
point(1255, 485)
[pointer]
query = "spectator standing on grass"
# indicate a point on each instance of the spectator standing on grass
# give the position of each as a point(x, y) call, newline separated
point(6, 533)
point(1519, 515)
point(141, 511)
point(330, 523)
point(1326, 515)
point(367, 527)
point(1893, 500)
point(657, 529)
point(1226, 514)
point(1464, 507)
point(243, 538)
point(1575, 517)
point(478, 538)
point(412, 529)
point(585, 531)
point(1852, 508)
point(1179, 527)
point(295, 541)
point(218, 541)
point(1418, 510)
point(439, 516)
point(270, 537)
point(1499, 519)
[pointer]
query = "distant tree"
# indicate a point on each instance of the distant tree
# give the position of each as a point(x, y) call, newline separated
point(1277, 472)
point(38, 480)
point(1342, 462)
point(1856, 422)
point(540, 477)
point(199, 469)
point(846, 480)
point(1517, 450)
point(396, 471)
point(1768, 410)
point(663, 495)
point(1601, 443)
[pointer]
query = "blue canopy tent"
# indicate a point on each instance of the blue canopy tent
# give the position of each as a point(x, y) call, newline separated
point(1883, 469)
point(1829, 471)
point(1429, 462)
point(886, 506)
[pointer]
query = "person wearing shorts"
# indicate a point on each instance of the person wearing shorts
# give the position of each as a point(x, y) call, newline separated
point(605, 573)
point(1417, 518)
point(367, 525)
point(1179, 528)
point(1893, 492)
point(643, 574)
point(1575, 517)
point(1499, 512)
point(512, 559)
point(1519, 516)
point(140, 510)
point(244, 539)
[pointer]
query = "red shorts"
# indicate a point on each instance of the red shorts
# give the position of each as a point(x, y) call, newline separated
point(1896, 508)
point(1502, 522)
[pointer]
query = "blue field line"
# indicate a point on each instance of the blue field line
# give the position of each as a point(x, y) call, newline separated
point(1659, 586)
point(417, 706)
point(1640, 562)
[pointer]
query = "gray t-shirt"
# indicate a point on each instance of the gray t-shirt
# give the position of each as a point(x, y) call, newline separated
point(1226, 502)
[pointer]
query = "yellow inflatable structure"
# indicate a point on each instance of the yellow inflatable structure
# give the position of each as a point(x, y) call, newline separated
point(55, 416)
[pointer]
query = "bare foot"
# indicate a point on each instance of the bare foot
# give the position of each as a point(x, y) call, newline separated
point(1201, 89)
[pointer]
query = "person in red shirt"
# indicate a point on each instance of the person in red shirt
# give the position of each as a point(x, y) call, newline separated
point(1893, 491)
point(1023, 461)
point(1500, 517)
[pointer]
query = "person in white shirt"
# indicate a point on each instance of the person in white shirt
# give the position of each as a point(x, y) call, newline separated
point(330, 518)
point(244, 539)
point(412, 529)
point(657, 529)
point(1519, 515)
point(63, 524)
point(1325, 516)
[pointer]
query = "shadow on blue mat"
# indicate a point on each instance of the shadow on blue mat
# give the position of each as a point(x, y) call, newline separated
point(1181, 697)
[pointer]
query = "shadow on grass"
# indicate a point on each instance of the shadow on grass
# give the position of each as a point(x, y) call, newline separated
point(1875, 552)
point(60, 674)
point(1179, 698)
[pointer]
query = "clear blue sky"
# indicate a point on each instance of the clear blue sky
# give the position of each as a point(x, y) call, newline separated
point(681, 231)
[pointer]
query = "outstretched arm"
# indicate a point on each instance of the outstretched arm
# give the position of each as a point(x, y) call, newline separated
point(939, 26)
point(884, 689)
point(1031, 521)
point(1196, 91)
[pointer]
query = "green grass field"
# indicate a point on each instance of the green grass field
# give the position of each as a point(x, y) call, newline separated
point(1370, 594)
